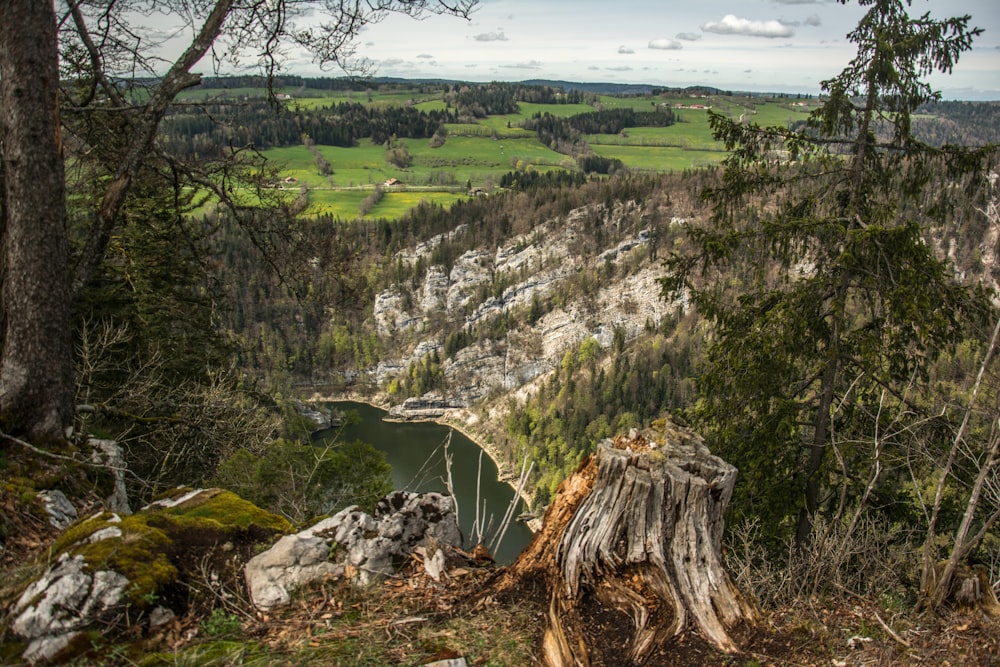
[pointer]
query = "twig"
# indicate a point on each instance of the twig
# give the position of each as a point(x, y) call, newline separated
point(477, 528)
point(71, 459)
point(892, 634)
point(525, 471)
point(447, 465)
point(42, 452)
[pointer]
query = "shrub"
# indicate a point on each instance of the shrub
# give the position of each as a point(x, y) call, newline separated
point(300, 481)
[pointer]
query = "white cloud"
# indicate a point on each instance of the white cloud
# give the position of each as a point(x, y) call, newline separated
point(426, 56)
point(624, 49)
point(689, 36)
point(490, 37)
point(814, 20)
point(733, 25)
point(665, 44)
point(531, 64)
point(623, 68)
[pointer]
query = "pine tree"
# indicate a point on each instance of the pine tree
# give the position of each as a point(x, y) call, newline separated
point(815, 270)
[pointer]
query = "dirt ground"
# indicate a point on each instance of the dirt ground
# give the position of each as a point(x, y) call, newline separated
point(411, 620)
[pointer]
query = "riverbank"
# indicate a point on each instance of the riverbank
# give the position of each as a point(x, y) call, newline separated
point(463, 420)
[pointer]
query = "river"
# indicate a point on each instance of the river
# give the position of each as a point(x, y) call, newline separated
point(416, 453)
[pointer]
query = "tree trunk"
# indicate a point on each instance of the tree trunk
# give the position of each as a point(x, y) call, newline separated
point(630, 552)
point(36, 376)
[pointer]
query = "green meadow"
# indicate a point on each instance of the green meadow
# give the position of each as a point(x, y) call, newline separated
point(656, 158)
point(478, 154)
point(346, 204)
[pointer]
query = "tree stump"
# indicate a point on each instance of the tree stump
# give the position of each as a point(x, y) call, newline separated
point(633, 542)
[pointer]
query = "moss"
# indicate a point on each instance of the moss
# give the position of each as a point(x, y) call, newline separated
point(138, 553)
point(17, 484)
point(137, 559)
point(80, 531)
point(226, 511)
point(11, 650)
point(153, 543)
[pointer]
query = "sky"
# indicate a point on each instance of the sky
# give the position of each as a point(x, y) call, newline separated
point(757, 45)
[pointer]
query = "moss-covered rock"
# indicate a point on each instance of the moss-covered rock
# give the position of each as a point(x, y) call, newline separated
point(162, 553)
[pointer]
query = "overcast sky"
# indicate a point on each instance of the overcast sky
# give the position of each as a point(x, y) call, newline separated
point(770, 45)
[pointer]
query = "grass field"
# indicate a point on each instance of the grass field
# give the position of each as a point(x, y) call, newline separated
point(646, 158)
point(478, 154)
point(346, 204)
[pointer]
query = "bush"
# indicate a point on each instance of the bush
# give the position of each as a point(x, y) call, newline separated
point(304, 481)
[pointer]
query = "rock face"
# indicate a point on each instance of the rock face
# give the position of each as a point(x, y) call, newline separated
point(575, 284)
point(364, 547)
point(429, 406)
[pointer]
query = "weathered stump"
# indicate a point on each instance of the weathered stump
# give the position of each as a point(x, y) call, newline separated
point(633, 542)
point(970, 589)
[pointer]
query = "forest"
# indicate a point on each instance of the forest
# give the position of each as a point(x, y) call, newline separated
point(818, 300)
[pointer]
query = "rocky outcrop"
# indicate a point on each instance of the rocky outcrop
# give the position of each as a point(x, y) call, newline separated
point(107, 566)
point(293, 561)
point(354, 544)
point(429, 406)
point(539, 270)
point(469, 271)
point(54, 610)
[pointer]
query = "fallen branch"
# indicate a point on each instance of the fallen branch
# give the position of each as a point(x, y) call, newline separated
point(897, 638)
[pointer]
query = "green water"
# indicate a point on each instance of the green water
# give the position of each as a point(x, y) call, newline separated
point(416, 453)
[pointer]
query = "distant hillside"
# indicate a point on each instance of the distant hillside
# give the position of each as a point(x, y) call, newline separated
point(624, 89)
point(356, 83)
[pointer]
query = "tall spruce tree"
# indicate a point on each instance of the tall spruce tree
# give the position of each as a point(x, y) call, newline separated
point(36, 375)
point(815, 269)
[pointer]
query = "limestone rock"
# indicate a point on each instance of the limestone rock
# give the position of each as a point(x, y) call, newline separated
point(294, 561)
point(450, 662)
point(109, 453)
point(58, 606)
point(367, 547)
point(409, 517)
point(390, 314)
point(436, 285)
point(435, 561)
point(428, 406)
point(160, 616)
point(60, 510)
point(108, 562)
point(467, 274)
